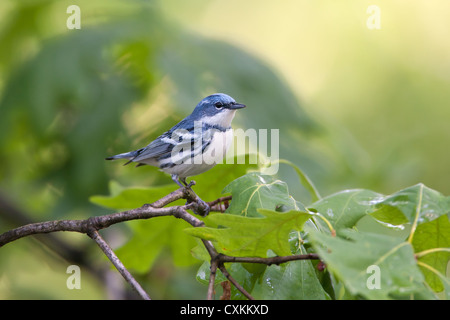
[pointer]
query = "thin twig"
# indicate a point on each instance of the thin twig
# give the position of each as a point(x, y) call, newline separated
point(118, 264)
point(218, 260)
point(212, 279)
point(219, 205)
point(234, 282)
point(269, 261)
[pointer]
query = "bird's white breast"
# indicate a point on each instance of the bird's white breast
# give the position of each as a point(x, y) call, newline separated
point(220, 143)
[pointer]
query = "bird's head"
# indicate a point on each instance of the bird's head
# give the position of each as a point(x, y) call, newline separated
point(217, 109)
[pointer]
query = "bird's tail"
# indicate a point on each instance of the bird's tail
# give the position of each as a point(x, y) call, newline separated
point(127, 155)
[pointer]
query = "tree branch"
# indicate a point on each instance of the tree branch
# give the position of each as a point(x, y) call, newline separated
point(92, 225)
point(147, 211)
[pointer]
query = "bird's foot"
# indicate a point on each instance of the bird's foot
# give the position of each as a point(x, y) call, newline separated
point(192, 183)
point(202, 209)
point(197, 205)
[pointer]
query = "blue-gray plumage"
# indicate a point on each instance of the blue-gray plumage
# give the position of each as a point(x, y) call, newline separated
point(195, 144)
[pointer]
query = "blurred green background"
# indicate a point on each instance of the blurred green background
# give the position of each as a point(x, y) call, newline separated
point(356, 108)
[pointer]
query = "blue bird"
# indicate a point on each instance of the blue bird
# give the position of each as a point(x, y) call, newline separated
point(195, 144)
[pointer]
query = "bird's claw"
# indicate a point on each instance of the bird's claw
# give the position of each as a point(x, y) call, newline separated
point(192, 183)
point(202, 209)
point(197, 205)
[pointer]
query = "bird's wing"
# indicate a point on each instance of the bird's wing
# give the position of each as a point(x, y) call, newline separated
point(157, 148)
point(183, 140)
point(162, 146)
point(183, 135)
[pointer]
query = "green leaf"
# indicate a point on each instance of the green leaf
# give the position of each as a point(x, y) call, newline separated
point(351, 259)
point(344, 209)
point(123, 199)
point(295, 280)
point(237, 271)
point(253, 237)
point(199, 251)
point(152, 236)
point(209, 185)
point(140, 252)
point(243, 277)
point(253, 191)
point(389, 216)
point(416, 204)
point(431, 242)
point(204, 272)
point(115, 188)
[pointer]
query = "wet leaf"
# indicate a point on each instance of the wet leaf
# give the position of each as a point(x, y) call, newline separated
point(253, 237)
point(345, 208)
point(295, 280)
point(372, 265)
point(416, 204)
point(253, 191)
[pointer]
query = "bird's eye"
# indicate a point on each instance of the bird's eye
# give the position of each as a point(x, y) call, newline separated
point(218, 105)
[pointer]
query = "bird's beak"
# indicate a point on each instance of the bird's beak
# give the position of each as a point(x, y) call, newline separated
point(236, 106)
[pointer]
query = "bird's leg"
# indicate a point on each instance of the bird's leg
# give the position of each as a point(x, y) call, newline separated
point(175, 179)
point(188, 185)
point(192, 183)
